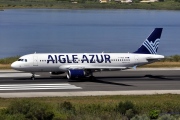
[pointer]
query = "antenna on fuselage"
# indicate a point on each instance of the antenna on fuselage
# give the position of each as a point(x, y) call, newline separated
point(102, 52)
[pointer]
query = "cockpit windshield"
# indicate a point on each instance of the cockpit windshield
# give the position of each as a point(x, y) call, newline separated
point(24, 60)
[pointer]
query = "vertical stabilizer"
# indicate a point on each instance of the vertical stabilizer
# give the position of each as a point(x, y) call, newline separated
point(150, 45)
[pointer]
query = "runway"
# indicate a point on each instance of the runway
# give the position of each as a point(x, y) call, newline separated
point(141, 81)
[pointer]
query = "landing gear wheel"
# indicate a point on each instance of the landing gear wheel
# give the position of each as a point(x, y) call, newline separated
point(91, 76)
point(33, 76)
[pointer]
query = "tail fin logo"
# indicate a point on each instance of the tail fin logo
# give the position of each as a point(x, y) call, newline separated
point(152, 47)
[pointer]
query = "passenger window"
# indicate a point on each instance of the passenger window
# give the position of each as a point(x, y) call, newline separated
point(25, 60)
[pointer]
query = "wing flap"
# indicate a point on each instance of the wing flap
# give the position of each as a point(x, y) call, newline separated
point(90, 67)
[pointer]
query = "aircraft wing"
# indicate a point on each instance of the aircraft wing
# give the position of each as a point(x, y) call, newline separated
point(91, 67)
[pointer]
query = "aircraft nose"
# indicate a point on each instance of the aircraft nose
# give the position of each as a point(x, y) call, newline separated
point(14, 65)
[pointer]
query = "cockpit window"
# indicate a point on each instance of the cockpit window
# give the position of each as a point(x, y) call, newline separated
point(25, 60)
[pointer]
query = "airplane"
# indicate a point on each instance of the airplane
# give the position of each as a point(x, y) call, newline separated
point(78, 65)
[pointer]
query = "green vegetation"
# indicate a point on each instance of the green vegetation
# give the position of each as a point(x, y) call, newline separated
point(5, 63)
point(27, 110)
point(8, 60)
point(169, 61)
point(162, 64)
point(135, 107)
point(173, 58)
point(89, 4)
point(5, 66)
point(153, 114)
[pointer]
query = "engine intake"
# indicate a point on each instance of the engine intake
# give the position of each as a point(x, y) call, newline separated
point(77, 73)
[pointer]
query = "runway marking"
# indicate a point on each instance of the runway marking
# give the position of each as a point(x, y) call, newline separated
point(16, 75)
point(38, 86)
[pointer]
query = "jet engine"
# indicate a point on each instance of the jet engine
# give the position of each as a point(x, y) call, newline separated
point(76, 73)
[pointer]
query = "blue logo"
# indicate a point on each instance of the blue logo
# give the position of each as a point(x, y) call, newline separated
point(152, 47)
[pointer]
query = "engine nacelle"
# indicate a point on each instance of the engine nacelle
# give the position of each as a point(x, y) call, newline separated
point(77, 73)
point(56, 73)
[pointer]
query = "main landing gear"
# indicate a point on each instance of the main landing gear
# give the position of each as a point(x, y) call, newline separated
point(91, 77)
point(33, 76)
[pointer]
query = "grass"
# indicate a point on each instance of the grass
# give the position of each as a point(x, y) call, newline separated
point(139, 100)
point(101, 107)
point(148, 100)
point(162, 64)
point(5, 63)
point(8, 60)
point(5, 66)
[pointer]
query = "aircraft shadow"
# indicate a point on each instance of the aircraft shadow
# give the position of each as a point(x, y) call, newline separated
point(121, 77)
point(145, 76)
point(96, 80)
point(51, 79)
point(158, 77)
point(102, 80)
point(148, 75)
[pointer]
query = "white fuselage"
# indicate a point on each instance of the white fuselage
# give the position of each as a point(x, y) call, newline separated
point(57, 62)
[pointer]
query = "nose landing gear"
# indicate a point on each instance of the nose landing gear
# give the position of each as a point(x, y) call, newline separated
point(33, 76)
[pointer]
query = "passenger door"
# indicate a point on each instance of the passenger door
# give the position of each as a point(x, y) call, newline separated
point(136, 58)
point(35, 60)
